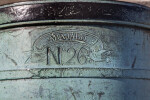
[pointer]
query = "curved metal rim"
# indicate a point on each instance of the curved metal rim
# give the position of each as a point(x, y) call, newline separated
point(87, 22)
point(52, 1)
point(13, 21)
point(46, 73)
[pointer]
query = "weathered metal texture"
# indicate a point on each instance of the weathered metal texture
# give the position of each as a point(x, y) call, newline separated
point(94, 50)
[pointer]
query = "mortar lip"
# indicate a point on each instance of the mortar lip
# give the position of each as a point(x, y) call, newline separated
point(135, 13)
point(57, 1)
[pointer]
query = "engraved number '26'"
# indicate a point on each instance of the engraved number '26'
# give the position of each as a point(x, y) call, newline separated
point(80, 56)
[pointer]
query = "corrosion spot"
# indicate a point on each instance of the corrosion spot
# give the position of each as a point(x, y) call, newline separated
point(90, 93)
point(89, 84)
point(100, 94)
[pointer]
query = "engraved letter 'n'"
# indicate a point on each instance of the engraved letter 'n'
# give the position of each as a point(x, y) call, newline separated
point(52, 58)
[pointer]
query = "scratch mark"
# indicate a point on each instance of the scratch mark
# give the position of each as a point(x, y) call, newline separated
point(59, 55)
point(16, 35)
point(72, 93)
point(27, 60)
point(62, 10)
point(48, 56)
point(133, 64)
point(12, 60)
point(80, 41)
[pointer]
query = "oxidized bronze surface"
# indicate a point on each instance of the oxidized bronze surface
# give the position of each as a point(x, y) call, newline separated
point(74, 50)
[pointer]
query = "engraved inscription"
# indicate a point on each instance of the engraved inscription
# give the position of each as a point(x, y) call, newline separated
point(70, 47)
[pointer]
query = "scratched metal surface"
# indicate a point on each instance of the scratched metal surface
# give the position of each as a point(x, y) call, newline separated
point(59, 51)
